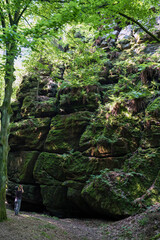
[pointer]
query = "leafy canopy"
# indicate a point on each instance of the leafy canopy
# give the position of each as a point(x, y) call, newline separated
point(82, 61)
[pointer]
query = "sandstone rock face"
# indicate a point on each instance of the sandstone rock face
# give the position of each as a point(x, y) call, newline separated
point(81, 150)
point(29, 133)
point(65, 131)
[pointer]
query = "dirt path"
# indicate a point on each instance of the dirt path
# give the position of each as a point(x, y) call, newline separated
point(31, 226)
point(34, 226)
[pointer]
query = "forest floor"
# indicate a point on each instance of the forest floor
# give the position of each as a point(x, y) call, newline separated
point(32, 226)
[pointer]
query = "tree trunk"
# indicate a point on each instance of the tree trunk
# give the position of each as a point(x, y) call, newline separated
point(5, 121)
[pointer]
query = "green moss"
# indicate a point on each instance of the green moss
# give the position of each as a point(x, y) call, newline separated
point(28, 103)
point(114, 192)
point(116, 135)
point(29, 133)
point(54, 197)
point(145, 161)
point(78, 167)
point(26, 170)
point(117, 192)
point(80, 99)
point(65, 132)
point(48, 168)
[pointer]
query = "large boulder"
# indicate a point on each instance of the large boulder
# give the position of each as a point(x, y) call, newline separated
point(113, 138)
point(55, 199)
point(21, 165)
point(111, 194)
point(62, 177)
point(40, 107)
point(123, 192)
point(48, 168)
point(29, 134)
point(79, 99)
point(65, 132)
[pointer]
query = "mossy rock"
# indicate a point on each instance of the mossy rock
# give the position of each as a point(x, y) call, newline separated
point(28, 87)
point(16, 111)
point(79, 99)
point(75, 199)
point(33, 85)
point(29, 103)
point(78, 167)
point(55, 198)
point(68, 173)
point(113, 193)
point(47, 107)
point(73, 167)
point(20, 166)
point(124, 192)
point(29, 134)
point(65, 132)
point(32, 194)
point(144, 161)
point(73, 184)
point(49, 167)
point(115, 137)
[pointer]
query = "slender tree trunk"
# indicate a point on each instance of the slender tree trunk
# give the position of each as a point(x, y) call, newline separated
point(5, 121)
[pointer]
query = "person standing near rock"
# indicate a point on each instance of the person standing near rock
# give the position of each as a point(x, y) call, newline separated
point(18, 199)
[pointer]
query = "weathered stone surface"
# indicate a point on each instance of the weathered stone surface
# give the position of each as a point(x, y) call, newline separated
point(75, 199)
point(34, 86)
point(122, 193)
point(74, 166)
point(54, 198)
point(115, 139)
point(20, 170)
point(65, 132)
point(49, 167)
point(21, 165)
point(124, 38)
point(110, 194)
point(79, 167)
point(65, 176)
point(79, 99)
point(28, 87)
point(39, 108)
point(32, 194)
point(29, 134)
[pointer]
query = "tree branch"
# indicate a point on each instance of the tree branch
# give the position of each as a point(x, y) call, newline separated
point(2, 20)
point(9, 12)
point(133, 20)
point(27, 21)
point(140, 25)
point(18, 15)
point(148, 193)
